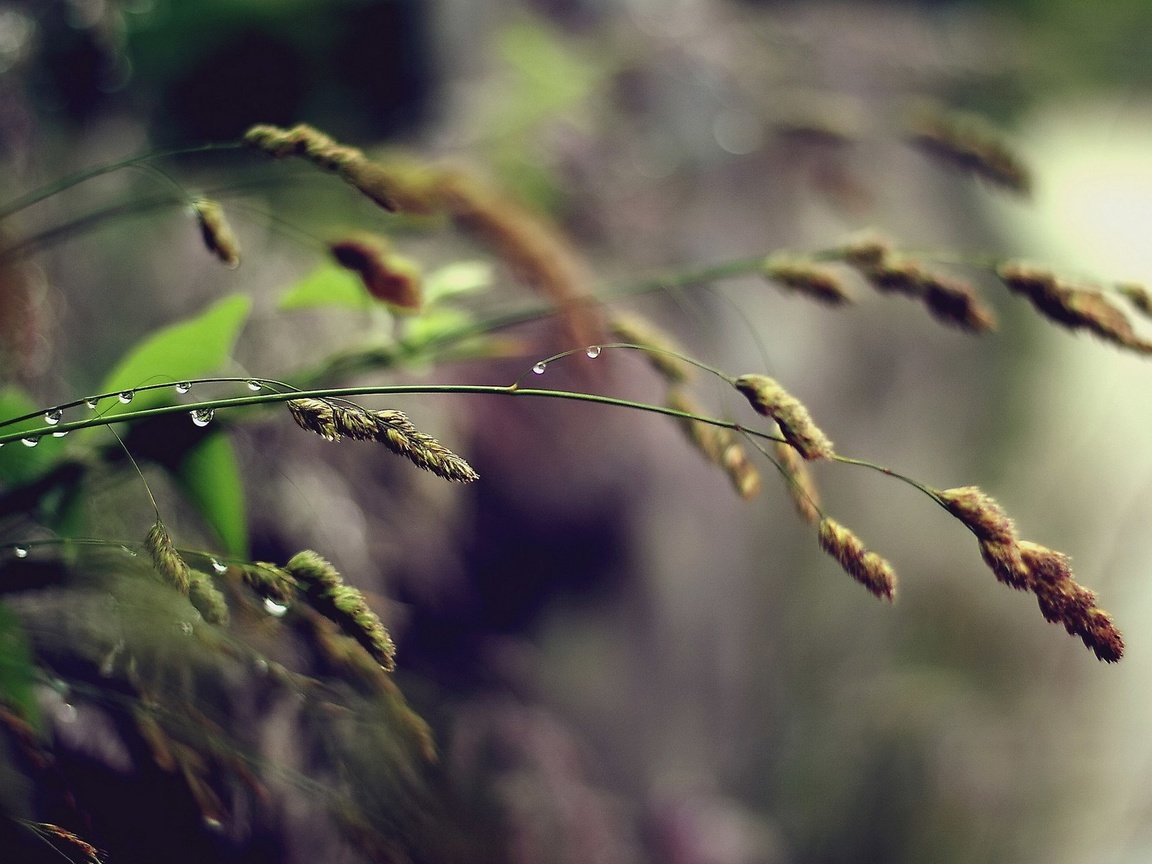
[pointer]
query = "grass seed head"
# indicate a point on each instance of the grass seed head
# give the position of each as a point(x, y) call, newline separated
point(637, 330)
point(801, 486)
point(804, 277)
point(216, 231)
point(867, 568)
point(767, 397)
point(389, 278)
point(207, 598)
point(166, 559)
point(718, 445)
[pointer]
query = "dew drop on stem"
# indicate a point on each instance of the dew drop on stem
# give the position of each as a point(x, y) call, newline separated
point(53, 417)
point(540, 367)
point(30, 442)
point(202, 416)
point(126, 396)
point(217, 567)
point(183, 387)
point(20, 551)
point(91, 404)
point(593, 351)
point(276, 610)
point(60, 434)
point(254, 385)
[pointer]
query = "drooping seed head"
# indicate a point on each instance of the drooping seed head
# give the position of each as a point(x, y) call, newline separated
point(207, 598)
point(804, 277)
point(166, 559)
point(389, 278)
point(801, 486)
point(718, 445)
point(767, 397)
point(867, 568)
point(662, 352)
point(216, 232)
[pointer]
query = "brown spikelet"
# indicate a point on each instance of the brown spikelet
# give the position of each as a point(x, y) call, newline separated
point(971, 144)
point(207, 598)
point(804, 277)
point(389, 278)
point(867, 568)
point(216, 231)
point(718, 445)
point(269, 582)
point(1138, 296)
point(950, 301)
point(767, 397)
point(1062, 600)
point(56, 835)
point(801, 486)
point(662, 350)
point(865, 250)
point(528, 245)
point(325, 591)
point(1075, 308)
point(393, 429)
point(979, 511)
point(166, 559)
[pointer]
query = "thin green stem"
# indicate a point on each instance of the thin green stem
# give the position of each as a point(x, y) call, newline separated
point(35, 196)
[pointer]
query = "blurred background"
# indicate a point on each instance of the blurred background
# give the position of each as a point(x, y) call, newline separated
point(620, 660)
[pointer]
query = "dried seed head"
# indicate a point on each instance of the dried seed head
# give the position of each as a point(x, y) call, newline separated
point(801, 486)
point(389, 278)
point(216, 231)
point(325, 591)
point(767, 397)
point(806, 278)
point(972, 145)
point(269, 582)
point(207, 598)
point(90, 853)
point(1003, 559)
point(718, 445)
point(166, 559)
point(393, 429)
point(1075, 308)
point(1062, 599)
point(865, 250)
point(949, 300)
point(979, 512)
point(867, 568)
point(636, 330)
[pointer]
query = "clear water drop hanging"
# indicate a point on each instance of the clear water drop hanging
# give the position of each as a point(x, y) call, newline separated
point(91, 404)
point(593, 351)
point(276, 610)
point(29, 442)
point(202, 416)
point(126, 396)
point(254, 385)
point(218, 568)
point(60, 434)
point(20, 551)
point(67, 713)
point(53, 417)
point(540, 367)
point(183, 387)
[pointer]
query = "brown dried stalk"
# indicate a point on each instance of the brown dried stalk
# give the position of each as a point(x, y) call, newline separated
point(972, 145)
point(324, 590)
point(767, 397)
point(867, 568)
point(393, 429)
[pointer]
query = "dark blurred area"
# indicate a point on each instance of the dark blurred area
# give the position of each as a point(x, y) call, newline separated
point(620, 661)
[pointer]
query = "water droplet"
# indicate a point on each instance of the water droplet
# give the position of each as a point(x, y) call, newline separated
point(276, 610)
point(92, 404)
point(183, 387)
point(131, 553)
point(67, 713)
point(202, 416)
point(126, 396)
point(30, 442)
point(540, 367)
point(593, 351)
point(20, 551)
point(53, 417)
point(60, 434)
point(213, 824)
point(254, 385)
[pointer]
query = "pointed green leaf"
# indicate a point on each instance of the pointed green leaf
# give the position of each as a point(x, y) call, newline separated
point(188, 349)
point(327, 285)
point(210, 479)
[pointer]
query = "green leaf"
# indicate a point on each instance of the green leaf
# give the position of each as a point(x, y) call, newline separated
point(188, 349)
point(456, 279)
point(17, 671)
point(210, 479)
point(327, 285)
point(434, 324)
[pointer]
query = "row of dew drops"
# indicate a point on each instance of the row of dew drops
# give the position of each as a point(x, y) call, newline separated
point(200, 416)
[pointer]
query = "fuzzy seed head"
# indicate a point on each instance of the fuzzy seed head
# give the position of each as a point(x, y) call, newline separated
point(767, 397)
point(636, 330)
point(718, 445)
point(973, 146)
point(867, 568)
point(389, 278)
point(216, 231)
point(804, 277)
point(207, 598)
point(980, 513)
point(269, 582)
point(166, 559)
point(801, 486)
